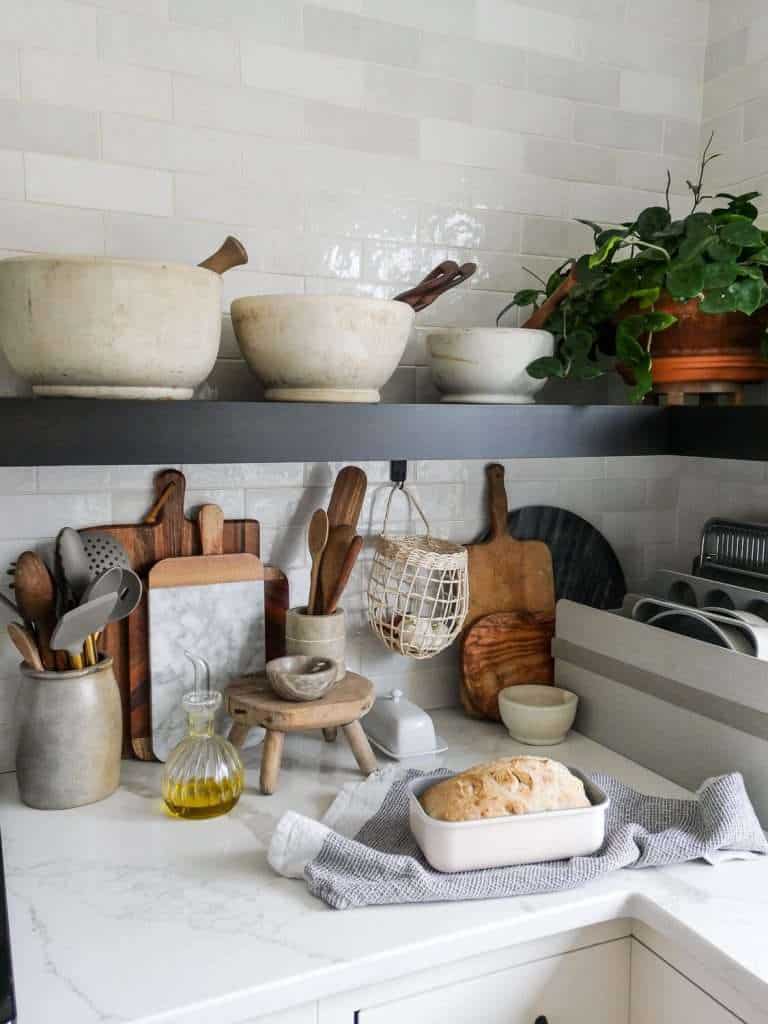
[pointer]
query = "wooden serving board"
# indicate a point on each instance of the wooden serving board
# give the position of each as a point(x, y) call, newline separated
point(504, 649)
point(507, 574)
point(171, 536)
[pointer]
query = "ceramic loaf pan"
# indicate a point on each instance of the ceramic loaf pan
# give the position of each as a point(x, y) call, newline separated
point(513, 839)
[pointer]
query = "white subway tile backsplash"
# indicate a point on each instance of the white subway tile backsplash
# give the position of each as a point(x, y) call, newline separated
point(199, 197)
point(471, 145)
point(299, 73)
point(401, 91)
point(660, 94)
point(366, 130)
point(345, 34)
point(454, 18)
point(54, 24)
point(94, 84)
point(173, 147)
point(681, 138)
point(726, 53)
point(544, 236)
point(649, 171)
point(361, 217)
point(101, 186)
point(9, 71)
point(474, 229)
point(536, 30)
point(47, 129)
point(572, 79)
point(272, 21)
point(41, 515)
point(602, 127)
point(755, 119)
point(154, 43)
point(29, 227)
point(473, 61)
point(571, 161)
point(235, 108)
point(11, 174)
point(517, 111)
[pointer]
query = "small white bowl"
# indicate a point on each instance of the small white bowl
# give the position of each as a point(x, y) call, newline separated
point(486, 364)
point(539, 715)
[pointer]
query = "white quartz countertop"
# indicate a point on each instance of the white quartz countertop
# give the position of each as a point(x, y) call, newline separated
point(122, 914)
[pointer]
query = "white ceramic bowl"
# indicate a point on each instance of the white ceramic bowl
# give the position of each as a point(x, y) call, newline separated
point(91, 327)
point(321, 348)
point(486, 364)
point(540, 715)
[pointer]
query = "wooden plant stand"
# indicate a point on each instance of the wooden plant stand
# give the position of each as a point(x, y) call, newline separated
point(250, 701)
point(708, 392)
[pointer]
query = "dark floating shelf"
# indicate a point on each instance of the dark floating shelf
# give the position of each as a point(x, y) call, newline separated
point(55, 432)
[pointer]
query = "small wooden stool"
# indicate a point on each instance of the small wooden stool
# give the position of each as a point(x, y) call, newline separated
point(251, 701)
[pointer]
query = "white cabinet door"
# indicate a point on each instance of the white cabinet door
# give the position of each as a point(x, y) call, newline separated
point(661, 995)
point(588, 986)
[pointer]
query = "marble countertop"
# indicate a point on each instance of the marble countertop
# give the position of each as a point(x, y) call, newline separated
point(122, 914)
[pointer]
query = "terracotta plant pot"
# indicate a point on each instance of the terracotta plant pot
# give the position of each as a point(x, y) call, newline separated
point(721, 347)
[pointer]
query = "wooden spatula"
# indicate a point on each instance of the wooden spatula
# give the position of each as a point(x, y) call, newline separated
point(344, 510)
point(317, 539)
point(507, 575)
point(36, 595)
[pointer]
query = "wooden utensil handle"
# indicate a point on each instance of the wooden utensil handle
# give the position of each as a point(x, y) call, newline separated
point(497, 500)
point(210, 519)
point(231, 253)
point(347, 566)
point(154, 513)
point(539, 317)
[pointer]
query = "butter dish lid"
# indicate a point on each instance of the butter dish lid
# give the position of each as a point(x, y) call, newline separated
point(401, 728)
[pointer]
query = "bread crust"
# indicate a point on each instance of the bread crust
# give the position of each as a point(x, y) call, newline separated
point(510, 785)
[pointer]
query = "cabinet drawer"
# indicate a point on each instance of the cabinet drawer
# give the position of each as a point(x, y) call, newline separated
point(588, 986)
point(661, 995)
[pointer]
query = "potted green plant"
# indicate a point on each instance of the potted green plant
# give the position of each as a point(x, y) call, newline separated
point(661, 300)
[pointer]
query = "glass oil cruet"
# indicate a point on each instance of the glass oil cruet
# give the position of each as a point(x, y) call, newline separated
point(203, 775)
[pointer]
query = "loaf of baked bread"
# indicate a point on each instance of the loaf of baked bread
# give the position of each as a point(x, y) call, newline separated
point(511, 785)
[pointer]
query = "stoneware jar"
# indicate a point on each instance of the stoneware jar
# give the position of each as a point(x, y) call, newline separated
point(319, 636)
point(70, 736)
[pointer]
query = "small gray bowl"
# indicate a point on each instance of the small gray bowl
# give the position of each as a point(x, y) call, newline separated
point(301, 677)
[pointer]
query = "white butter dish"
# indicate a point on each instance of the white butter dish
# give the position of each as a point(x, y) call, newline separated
point(401, 728)
point(512, 839)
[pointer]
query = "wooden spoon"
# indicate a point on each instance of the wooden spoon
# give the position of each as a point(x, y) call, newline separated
point(231, 253)
point(539, 317)
point(317, 539)
point(344, 510)
point(345, 572)
point(36, 595)
point(25, 644)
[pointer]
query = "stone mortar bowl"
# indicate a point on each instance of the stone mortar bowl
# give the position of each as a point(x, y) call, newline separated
point(301, 677)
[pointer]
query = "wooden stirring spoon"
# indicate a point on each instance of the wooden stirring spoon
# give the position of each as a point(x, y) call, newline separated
point(36, 596)
point(25, 644)
point(345, 572)
point(317, 539)
point(231, 253)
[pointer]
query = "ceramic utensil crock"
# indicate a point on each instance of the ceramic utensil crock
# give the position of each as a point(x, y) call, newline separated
point(319, 636)
point(70, 736)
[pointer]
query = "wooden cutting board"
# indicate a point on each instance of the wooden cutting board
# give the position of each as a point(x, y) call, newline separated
point(169, 536)
point(212, 605)
point(504, 649)
point(507, 575)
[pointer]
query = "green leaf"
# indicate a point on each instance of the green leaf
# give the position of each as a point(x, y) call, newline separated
point(643, 384)
point(629, 350)
point(717, 301)
point(605, 251)
point(632, 326)
point(684, 280)
point(656, 322)
point(761, 256)
point(646, 297)
point(742, 233)
point(577, 344)
point(690, 248)
point(651, 221)
point(526, 296)
point(748, 295)
point(586, 370)
point(719, 275)
point(545, 367)
point(745, 270)
point(699, 225)
point(723, 252)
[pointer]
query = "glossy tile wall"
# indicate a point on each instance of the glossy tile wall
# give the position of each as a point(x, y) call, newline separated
point(634, 501)
point(352, 144)
point(736, 95)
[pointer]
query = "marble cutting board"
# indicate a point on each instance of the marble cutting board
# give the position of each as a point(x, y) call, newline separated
point(222, 622)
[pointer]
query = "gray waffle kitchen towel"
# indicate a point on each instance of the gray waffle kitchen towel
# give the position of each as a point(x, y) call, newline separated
point(363, 852)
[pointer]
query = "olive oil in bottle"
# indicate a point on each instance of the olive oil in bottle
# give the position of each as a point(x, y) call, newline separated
point(203, 776)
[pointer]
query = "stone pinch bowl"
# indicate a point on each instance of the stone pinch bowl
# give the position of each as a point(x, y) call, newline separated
point(301, 677)
point(540, 715)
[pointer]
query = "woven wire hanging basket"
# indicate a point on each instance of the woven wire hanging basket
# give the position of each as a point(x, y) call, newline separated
point(418, 590)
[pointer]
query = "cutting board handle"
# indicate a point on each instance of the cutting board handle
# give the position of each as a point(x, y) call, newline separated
point(171, 517)
point(497, 500)
point(210, 519)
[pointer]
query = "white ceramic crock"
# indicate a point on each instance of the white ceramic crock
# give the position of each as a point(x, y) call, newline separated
point(321, 348)
point(486, 364)
point(91, 327)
